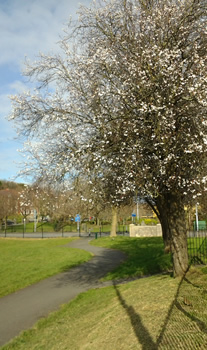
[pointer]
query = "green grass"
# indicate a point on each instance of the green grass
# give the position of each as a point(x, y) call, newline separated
point(145, 256)
point(157, 312)
point(148, 314)
point(41, 226)
point(96, 228)
point(112, 318)
point(29, 228)
point(24, 262)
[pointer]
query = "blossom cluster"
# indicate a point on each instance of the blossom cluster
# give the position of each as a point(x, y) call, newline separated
point(125, 104)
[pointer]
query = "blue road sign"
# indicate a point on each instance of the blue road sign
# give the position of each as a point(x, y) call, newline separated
point(77, 218)
point(133, 215)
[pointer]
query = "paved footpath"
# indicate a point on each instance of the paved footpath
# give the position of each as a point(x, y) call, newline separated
point(20, 310)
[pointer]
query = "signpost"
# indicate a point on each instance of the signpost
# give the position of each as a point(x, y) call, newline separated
point(133, 216)
point(78, 219)
point(137, 200)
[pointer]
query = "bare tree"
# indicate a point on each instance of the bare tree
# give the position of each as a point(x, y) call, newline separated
point(25, 200)
point(8, 204)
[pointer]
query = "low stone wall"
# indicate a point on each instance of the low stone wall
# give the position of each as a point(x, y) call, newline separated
point(145, 231)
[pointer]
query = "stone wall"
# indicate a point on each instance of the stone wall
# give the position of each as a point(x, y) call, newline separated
point(145, 231)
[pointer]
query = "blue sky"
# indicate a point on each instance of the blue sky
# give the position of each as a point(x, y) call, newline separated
point(27, 27)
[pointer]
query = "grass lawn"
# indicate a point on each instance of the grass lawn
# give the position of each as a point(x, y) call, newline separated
point(149, 313)
point(157, 312)
point(145, 256)
point(24, 262)
point(41, 226)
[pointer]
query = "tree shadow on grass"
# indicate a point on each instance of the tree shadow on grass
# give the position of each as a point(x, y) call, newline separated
point(140, 330)
point(184, 327)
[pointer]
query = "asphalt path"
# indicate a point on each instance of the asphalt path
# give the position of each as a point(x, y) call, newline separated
point(20, 310)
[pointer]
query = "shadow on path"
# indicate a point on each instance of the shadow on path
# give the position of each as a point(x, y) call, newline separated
point(88, 274)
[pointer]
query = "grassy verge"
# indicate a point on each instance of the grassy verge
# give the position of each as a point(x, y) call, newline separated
point(150, 313)
point(24, 262)
point(145, 256)
point(111, 318)
point(158, 312)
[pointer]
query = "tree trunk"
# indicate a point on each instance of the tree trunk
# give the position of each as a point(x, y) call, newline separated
point(97, 221)
point(172, 217)
point(163, 211)
point(114, 221)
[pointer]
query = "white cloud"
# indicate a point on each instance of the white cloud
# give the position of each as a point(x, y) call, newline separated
point(5, 104)
point(28, 27)
point(18, 87)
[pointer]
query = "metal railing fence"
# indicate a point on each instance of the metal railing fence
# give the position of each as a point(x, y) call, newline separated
point(197, 247)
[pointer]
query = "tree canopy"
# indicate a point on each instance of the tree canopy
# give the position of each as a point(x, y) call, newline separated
point(125, 102)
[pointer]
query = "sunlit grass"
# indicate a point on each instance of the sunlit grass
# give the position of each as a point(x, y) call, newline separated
point(157, 312)
point(122, 317)
point(150, 313)
point(24, 262)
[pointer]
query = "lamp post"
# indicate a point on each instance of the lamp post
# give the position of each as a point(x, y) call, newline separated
point(136, 200)
point(137, 209)
point(197, 226)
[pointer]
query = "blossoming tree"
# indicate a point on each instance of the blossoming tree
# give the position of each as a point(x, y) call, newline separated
point(125, 100)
